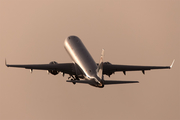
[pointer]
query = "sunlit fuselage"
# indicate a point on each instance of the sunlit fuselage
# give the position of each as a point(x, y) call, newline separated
point(83, 60)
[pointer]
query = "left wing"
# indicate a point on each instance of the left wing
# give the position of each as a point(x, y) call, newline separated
point(67, 68)
point(109, 69)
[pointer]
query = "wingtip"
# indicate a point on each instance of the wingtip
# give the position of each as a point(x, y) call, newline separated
point(6, 63)
point(172, 63)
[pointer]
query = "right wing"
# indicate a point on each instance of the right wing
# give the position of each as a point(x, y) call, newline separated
point(109, 68)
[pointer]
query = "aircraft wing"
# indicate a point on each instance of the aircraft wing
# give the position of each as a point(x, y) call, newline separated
point(63, 67)
point(109, 69)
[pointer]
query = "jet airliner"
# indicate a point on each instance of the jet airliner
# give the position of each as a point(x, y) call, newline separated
point(84, 69)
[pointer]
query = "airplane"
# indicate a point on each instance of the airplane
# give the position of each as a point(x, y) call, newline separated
point(84, 69)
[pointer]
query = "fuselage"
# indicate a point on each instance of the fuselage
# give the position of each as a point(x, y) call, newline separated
point(82, 58)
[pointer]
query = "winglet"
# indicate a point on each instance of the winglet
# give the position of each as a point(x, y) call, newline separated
point(5, 62)
point(172, 63)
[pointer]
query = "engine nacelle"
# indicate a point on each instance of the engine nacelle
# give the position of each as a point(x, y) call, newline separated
point(53, 71)
point(109, 73)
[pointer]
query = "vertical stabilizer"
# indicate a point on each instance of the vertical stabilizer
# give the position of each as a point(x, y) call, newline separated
point(100, 67)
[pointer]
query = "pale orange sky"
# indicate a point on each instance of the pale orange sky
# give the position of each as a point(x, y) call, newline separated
point(134, 32)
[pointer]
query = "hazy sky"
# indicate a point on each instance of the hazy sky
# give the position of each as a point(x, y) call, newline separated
point(131, 32)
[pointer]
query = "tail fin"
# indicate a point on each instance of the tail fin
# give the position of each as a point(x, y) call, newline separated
point(100, 67)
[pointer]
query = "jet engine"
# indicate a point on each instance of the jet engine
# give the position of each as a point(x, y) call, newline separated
point(109, 73)
point(53, 71)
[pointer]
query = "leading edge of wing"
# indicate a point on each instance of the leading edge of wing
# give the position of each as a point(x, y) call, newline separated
point(109, 82)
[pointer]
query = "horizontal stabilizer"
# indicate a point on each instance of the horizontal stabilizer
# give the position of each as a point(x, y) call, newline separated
point(79, 81)
point(108, 82)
